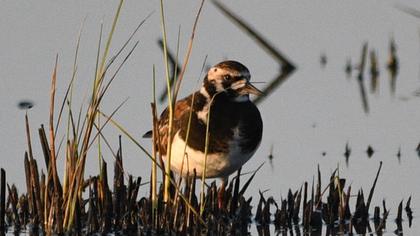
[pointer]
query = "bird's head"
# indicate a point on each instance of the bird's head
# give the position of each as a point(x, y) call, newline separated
point(232, 78)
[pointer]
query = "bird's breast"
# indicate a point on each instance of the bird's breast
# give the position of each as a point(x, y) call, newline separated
point(185, 159)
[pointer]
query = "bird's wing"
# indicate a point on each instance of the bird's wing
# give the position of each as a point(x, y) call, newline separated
point(182, 108)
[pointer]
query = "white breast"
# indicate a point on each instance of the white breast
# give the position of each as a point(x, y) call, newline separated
point(184, 159)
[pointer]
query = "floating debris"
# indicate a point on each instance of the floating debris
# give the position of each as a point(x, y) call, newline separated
point(348, 68)
point(370, 151)
point(399, 155)
point(323, 60)
point(25, 104)
point(270, 156)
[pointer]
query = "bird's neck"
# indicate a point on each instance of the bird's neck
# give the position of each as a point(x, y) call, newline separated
point(208, 93)
point(204, 106)
point(241, 98)
point(203, 91)
point(206, 101)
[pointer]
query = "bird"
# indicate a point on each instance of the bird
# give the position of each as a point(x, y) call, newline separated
point(235, 125)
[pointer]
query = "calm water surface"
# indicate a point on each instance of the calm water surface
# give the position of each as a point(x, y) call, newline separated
point(308, 120)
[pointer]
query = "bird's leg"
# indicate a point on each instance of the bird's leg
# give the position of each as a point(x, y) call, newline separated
point(221, 192)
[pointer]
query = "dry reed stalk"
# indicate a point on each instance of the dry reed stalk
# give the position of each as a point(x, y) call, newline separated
point(170, 107)
point(76, 182)
point(188, 53)
point(156, 144)
point(53, 164)
point(173, 60)
point(172, 97)
point(36, 190)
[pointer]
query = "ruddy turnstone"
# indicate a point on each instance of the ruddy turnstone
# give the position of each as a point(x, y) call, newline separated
point(235, 124)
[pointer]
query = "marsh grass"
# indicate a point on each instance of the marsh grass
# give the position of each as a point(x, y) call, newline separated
point(121, 210)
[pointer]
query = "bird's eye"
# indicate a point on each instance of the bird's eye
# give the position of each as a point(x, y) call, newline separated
point(226, 77)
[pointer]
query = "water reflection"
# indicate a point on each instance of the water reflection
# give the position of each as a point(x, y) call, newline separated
point(374, 72)
point(374, 227)
point(286, 66)
point(347, 153)
point(360, 79)
point(392, 66)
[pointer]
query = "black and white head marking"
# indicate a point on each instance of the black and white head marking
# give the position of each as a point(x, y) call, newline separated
point(227, 76)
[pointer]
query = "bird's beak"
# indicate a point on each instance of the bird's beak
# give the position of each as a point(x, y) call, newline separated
point(251, 89)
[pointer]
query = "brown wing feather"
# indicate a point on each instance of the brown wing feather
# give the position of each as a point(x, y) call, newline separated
point(182, 107)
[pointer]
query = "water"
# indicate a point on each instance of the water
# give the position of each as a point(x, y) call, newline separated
point(317, 110)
